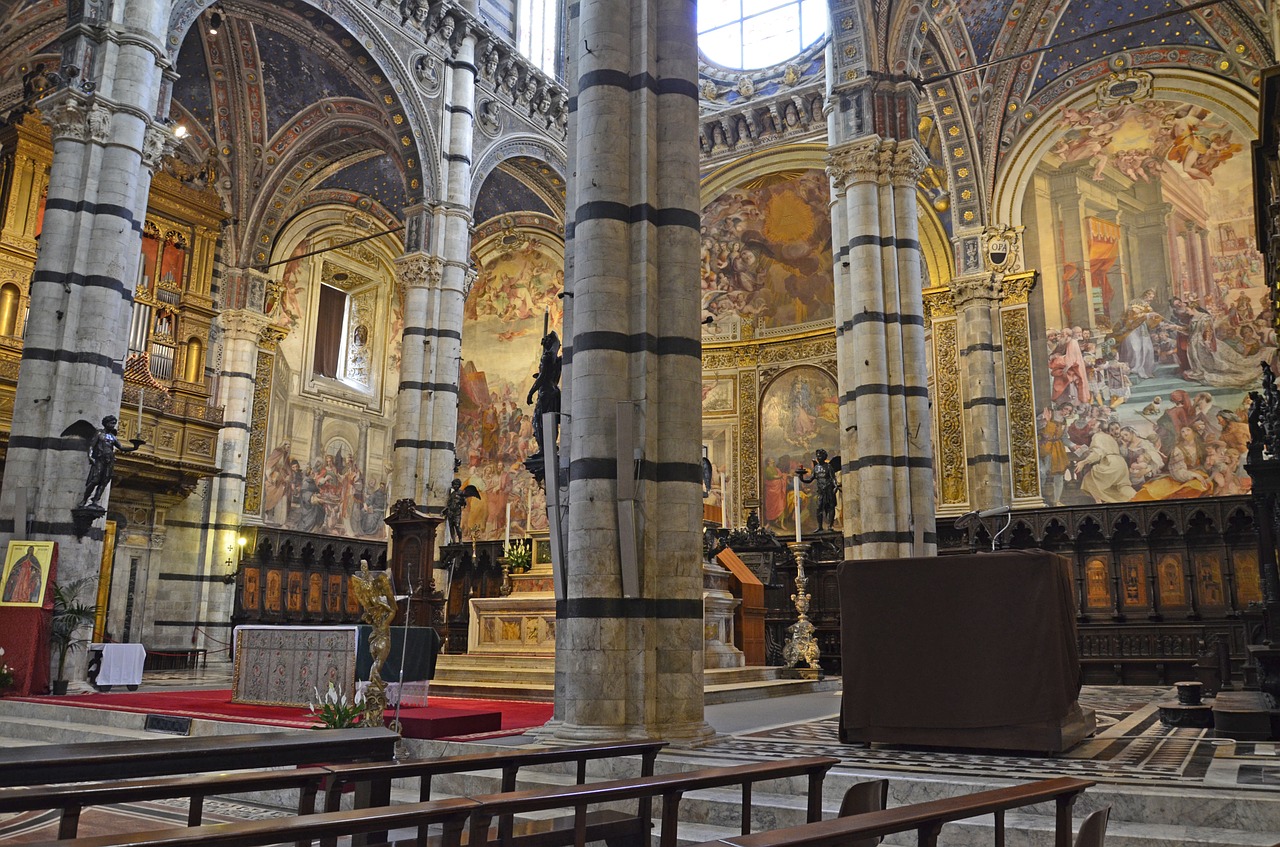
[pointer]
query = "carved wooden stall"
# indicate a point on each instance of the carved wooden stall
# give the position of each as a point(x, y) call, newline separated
point(474, 571)
point(300, 578)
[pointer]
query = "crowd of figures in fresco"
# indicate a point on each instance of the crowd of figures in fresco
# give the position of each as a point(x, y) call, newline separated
point(495, 436)
point(327, 494)
point(1155, 407)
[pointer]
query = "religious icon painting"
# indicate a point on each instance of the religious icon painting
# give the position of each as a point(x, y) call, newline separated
point(26, 572)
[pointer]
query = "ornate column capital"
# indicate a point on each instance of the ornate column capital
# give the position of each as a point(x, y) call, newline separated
point(939, 303)
point(909, 164)
point(420, 270)
point(975, 289)
point(860, 161)
point(158, 143)
point(67, 113)
point(270, 336)
point(243, 324)
point(1016, 288)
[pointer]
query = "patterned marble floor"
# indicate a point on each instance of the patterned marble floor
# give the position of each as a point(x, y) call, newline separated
point(1130, 746)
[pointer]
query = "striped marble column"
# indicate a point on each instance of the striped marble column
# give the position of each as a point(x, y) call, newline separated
point(886, 446)
point(629, 656)
point(977, 299)
point(436, 283)
point(106, 144)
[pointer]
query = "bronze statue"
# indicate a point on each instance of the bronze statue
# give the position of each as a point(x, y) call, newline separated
point(454, 503)
point(378, 600)
point(103, 444)
point(546, 384)
point(823, 476)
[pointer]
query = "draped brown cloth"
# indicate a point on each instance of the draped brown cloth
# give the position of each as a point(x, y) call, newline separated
point(963, 651)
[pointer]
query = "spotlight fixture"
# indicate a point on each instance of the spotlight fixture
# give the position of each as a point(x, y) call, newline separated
point(215, 23)
point(180, 131)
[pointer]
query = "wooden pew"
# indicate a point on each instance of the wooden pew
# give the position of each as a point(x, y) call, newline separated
point(72, 799)
point(450, 814)
point(113, 760)
point(509, 761)
point(670, 787)
point(926, 818)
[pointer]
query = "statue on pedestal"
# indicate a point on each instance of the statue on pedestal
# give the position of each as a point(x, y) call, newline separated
point(454, 503)
point(823, 476)
point(546, 385)
point(378, 600)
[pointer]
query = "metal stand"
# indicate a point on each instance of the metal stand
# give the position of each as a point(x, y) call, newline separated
point(801, 646)
point(395, 725)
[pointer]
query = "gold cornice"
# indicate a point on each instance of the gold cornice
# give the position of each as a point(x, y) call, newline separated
point(764, 342)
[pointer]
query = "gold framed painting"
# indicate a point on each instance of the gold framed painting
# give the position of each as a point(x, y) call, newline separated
point(26, 572)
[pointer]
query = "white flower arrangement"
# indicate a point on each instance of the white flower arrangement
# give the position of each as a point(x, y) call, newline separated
point(6, 672)
point(334, 711)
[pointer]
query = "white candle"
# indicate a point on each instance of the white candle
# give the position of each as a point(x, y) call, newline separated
point(796, 487)
point(528, 510)
point(506, 539)
point(724, 500)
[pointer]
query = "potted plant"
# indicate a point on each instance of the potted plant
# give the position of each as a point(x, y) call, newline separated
point(70, 613)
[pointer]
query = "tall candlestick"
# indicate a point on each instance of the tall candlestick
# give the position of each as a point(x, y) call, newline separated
point(506, 539)
point(796, 487)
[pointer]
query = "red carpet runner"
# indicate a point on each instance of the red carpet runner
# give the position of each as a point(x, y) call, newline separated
point(445, 717)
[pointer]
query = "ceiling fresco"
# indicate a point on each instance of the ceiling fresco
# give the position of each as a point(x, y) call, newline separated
point(192, 86)
point(503, 194)
point(1083, 18)
point(294, 79)
point(983, 19)
point(376, 177)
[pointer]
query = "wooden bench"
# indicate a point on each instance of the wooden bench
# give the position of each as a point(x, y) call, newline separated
point(72, 799)
point(450, 814)
point(115, 760)
point(926, 818)
point(509, 761)
point(669, 787)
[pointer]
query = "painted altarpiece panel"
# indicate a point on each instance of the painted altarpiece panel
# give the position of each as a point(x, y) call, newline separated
point(799, 413)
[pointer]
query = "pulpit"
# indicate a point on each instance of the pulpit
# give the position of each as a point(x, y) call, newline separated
point(973, 651)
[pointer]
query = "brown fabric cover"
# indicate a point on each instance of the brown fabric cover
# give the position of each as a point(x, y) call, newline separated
point(984, 640)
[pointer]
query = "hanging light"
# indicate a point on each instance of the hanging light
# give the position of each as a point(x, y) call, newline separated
point(215, 23)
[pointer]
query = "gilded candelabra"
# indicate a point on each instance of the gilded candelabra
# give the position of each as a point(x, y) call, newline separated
point(801, 646)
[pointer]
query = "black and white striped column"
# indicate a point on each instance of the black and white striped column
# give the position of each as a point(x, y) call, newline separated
point(629, 664)
point(106, 144)
point(977, 299)
point(886, 448)
point(436, 282)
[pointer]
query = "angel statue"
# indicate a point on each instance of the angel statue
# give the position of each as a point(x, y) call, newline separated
point(454, 503)
point(103, 444)
point(823, 477)
point(378, 600)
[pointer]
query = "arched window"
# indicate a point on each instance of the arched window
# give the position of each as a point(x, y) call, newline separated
point(745, 34)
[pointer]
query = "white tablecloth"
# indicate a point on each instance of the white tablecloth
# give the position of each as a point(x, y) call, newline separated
point(121, 663)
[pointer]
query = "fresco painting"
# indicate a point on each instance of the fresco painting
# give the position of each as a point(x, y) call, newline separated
point(799, 413)
point(1156, 310)
point(515, 292)
point(327, 493)
point(766, 252)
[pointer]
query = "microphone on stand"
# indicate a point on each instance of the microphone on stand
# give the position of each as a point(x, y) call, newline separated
point(998, 510)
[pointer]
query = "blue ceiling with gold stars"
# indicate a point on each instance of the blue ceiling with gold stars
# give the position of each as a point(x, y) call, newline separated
point(191, 89)
point(1090, 16)
point(377, 177)
point(983, 19)
point(295, 80)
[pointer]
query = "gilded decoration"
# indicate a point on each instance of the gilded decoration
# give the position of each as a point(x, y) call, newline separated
point(1016, 331)
point(749, 439)
point(939, 303)
point(1017, 288)
point(258, 432)
point(953, 485)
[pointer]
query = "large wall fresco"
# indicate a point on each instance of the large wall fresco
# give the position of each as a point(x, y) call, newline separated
point(327, 492)
point(766, 252)
point(516, 291)
point(1156, 313)
point(799, 413)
